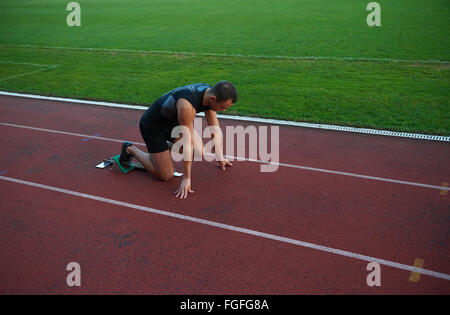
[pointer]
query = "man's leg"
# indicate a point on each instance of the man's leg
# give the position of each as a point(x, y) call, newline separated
point(159, 164)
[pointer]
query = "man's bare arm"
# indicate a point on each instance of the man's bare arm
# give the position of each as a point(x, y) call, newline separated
point(216, 135)
point(186, 115)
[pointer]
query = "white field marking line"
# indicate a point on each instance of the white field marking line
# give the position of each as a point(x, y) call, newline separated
point(27, 73)
point(234, 229)
point(210, 54)
point(247, 159)
point(24, 63)
point(249, 119)
point(45, 68)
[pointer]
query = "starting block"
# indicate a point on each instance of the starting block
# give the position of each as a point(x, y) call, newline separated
point(128, 166)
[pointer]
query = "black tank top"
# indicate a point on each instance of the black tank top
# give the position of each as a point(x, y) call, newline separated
point(164, 110)
point(193, 93)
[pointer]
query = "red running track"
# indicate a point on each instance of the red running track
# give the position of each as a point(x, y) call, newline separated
point(125, 250)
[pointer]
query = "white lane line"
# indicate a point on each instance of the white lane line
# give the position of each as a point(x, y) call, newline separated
point(66, 133)
point(396, 181)
point(234, 229)
point(307, 168)
point(250, 119)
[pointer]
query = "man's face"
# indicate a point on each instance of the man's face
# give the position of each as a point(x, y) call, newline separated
point(220, 106)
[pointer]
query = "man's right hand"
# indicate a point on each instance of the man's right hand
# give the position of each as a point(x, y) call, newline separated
point(184, 189)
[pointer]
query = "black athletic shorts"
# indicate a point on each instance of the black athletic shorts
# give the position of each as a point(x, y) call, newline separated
point(155, 139)
point(155, 132)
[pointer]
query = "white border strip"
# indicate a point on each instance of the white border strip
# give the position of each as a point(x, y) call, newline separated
point(336, 128)
point(71, 100)
point(235, 229)
point(233, 158)
point(249, 119)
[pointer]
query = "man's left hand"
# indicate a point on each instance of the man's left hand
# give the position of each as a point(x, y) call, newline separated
point(222, 164)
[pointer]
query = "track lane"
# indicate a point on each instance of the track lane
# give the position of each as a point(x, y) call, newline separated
point(395, 158)
point(135, 254)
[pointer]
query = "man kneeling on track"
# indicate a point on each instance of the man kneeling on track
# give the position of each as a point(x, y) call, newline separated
point(178, 108)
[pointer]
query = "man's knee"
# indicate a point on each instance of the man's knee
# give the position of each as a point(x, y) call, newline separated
point(165, 176)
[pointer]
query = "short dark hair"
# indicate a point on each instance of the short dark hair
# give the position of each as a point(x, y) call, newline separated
point(224, 90)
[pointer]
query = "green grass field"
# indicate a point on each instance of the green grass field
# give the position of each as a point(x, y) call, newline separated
point(304, 60)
